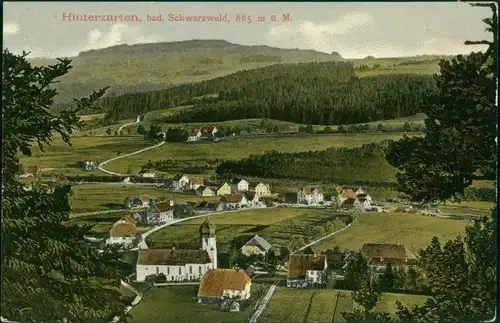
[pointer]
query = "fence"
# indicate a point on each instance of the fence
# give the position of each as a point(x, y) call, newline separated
point(259, 301)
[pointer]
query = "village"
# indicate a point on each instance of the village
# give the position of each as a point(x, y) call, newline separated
point(229, 286)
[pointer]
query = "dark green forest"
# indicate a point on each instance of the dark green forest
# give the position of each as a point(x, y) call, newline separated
point(363, 165)
point(319, 93)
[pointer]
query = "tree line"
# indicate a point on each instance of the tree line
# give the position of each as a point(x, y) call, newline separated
point(359, 164)
point(321, 93)
point(306, 98)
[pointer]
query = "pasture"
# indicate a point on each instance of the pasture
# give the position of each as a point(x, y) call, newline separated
point(102, 197)
point(241, 148)
point(102, 223)
point(276, 225)
point(413, 230)
point(306, 305)
point(179, 304)
point(61, 158)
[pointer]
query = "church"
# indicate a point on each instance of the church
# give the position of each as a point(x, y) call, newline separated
point(180, 264)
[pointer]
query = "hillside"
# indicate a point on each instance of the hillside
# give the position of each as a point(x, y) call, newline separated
point(156, 66)
point(160, 65)
point(325, 93)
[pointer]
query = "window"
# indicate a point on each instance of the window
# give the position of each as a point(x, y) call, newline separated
point(199, 270)
point(157, 270)
point(190, 269)
point(168, 270)
point(180, 270)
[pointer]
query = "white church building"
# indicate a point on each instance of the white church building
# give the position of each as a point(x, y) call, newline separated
point(180, 264)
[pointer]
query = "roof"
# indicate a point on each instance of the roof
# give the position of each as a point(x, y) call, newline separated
point(309, 190)
point(178, 177)
point(235, 198)
point(202, 188)
point(348, 193)
point(333, 256)
point(249, 195)
point(123, 229)
point(172, 257)
point(207, 128)
point(215, 281)
point(386, 250)
point(207, 227)
point(163, 207)
point(299, 264)
point(198, 181)
point(145, 198)
point(192, 132)
point(31, 169)
point(259, 241)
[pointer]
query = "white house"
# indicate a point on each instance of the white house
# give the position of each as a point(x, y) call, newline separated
point(123, 232)
point(219, 285)
point(160, 213)
point(181, 182)
point(304, 270)
point(235, 200)
point(240, 185)
point(256, 246)
point(90, 165)
point(177, 264)
point(310, 195)
point(145, 199)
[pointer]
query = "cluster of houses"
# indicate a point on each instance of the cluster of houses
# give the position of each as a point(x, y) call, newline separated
point(29, 171)
point(204, 132)
point(307, 270)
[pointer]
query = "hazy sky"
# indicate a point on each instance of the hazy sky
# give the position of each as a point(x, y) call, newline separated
point(354, 30)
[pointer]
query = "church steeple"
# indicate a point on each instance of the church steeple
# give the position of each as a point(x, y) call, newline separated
point(207, 228)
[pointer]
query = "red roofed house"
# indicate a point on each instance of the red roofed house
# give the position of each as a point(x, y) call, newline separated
point(310, 195)
point(235, 200)
point(219, 285)
point(123, 232)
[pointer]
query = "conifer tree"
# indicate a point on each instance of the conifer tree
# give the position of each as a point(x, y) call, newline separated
point(48, 271)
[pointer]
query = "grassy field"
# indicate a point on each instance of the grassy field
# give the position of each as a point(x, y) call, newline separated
point(305, 305)
point(102, 223)
point(241, 148)
point(276, 225)
point(414, 231)
point(61, 158)
point(101, 197)
point(176, 304)
point(92, 116)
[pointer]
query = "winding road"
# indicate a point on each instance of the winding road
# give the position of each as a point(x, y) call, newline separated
point(101, 168)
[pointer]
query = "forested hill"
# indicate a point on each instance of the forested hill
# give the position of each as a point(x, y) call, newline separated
point(315, 93)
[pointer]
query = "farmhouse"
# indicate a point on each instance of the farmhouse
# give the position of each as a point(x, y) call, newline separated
point(261, 189)
point(240, 185)
point(90, 165)
point(235, 200)
point(204, 191)
point(218, 285)
point(181, 182)
point(306, 270)
point(256, 246)
point(123, 232)
point(160, 213)
point(224, 189)
point(310, 195)
point(193, 135)
point(178, 264)
point(378, 255)
point(252, 198)
point(145, 199)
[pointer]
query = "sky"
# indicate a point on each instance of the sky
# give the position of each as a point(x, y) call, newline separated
point(353, 29)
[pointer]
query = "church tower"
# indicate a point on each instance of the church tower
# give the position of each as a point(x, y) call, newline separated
point(208, 242)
